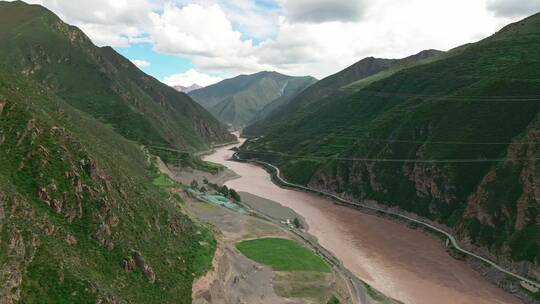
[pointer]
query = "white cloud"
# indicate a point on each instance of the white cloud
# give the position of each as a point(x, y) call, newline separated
point(250, 18)
point(140, 63)
point(317, 11)
point(390, 29)
point(315, 37)
point(195, 30)
point(514, 8)
point(254, 18)
point(114, 23)
point(205, 34)
point(191, 77)
point(323, 44)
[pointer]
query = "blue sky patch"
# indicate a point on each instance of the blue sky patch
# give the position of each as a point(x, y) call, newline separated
point(161, 65)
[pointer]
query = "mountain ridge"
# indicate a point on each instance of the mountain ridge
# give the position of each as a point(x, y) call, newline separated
point(427, 139)
point(237, 101)
point(81, 218)
point(334, 86)
point(119, 94)
point(187, 89)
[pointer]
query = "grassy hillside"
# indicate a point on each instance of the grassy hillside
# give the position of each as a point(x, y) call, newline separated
point(100, 82)
point(80, 219)
point(336, 86)
point(239, 100)
point(428, 139)
point(291, 90)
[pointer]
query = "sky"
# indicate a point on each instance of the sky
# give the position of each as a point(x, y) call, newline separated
point(182, 42)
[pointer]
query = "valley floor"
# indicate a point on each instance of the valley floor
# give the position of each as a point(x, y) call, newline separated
point(237, 279)
point(406, 264)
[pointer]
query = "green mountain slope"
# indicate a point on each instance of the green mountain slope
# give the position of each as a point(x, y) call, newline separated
point(80, 219)
point(101, 82)
point(291, 90)
point(338, 85)
point(427, 139)
point(238, 100)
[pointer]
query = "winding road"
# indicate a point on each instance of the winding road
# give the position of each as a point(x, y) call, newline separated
point(347, 202)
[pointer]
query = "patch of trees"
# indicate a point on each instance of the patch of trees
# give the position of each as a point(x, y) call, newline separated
point(297, 224)
point(333, 300)
point(223, 190)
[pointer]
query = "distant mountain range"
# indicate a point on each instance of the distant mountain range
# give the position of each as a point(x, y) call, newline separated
point(453, 137)
point(187, 89)
point(245, 98)
point(338, 85)
point(80, 219)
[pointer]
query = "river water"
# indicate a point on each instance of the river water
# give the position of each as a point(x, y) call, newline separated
point(402, 263)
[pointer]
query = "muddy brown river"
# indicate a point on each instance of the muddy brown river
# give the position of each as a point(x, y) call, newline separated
point(402, 263)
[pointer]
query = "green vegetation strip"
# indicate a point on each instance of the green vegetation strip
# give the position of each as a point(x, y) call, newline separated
point(282, 255)
point(276, 177)
point(163, 181)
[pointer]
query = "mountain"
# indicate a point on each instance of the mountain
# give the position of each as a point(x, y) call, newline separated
point(102, 83)
point(338, 85)
point(238, 100)
point(292, 90)
point(80, 218)
point(188, 89)
point(455, 141)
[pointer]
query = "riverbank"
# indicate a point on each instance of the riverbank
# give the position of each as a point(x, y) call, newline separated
point(237, 279)
point(503, 278)
point(266, 212)
point(360, 292)
point(403, 263)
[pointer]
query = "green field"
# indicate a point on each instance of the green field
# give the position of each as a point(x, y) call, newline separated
point(282, 255)
point(163, 181)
